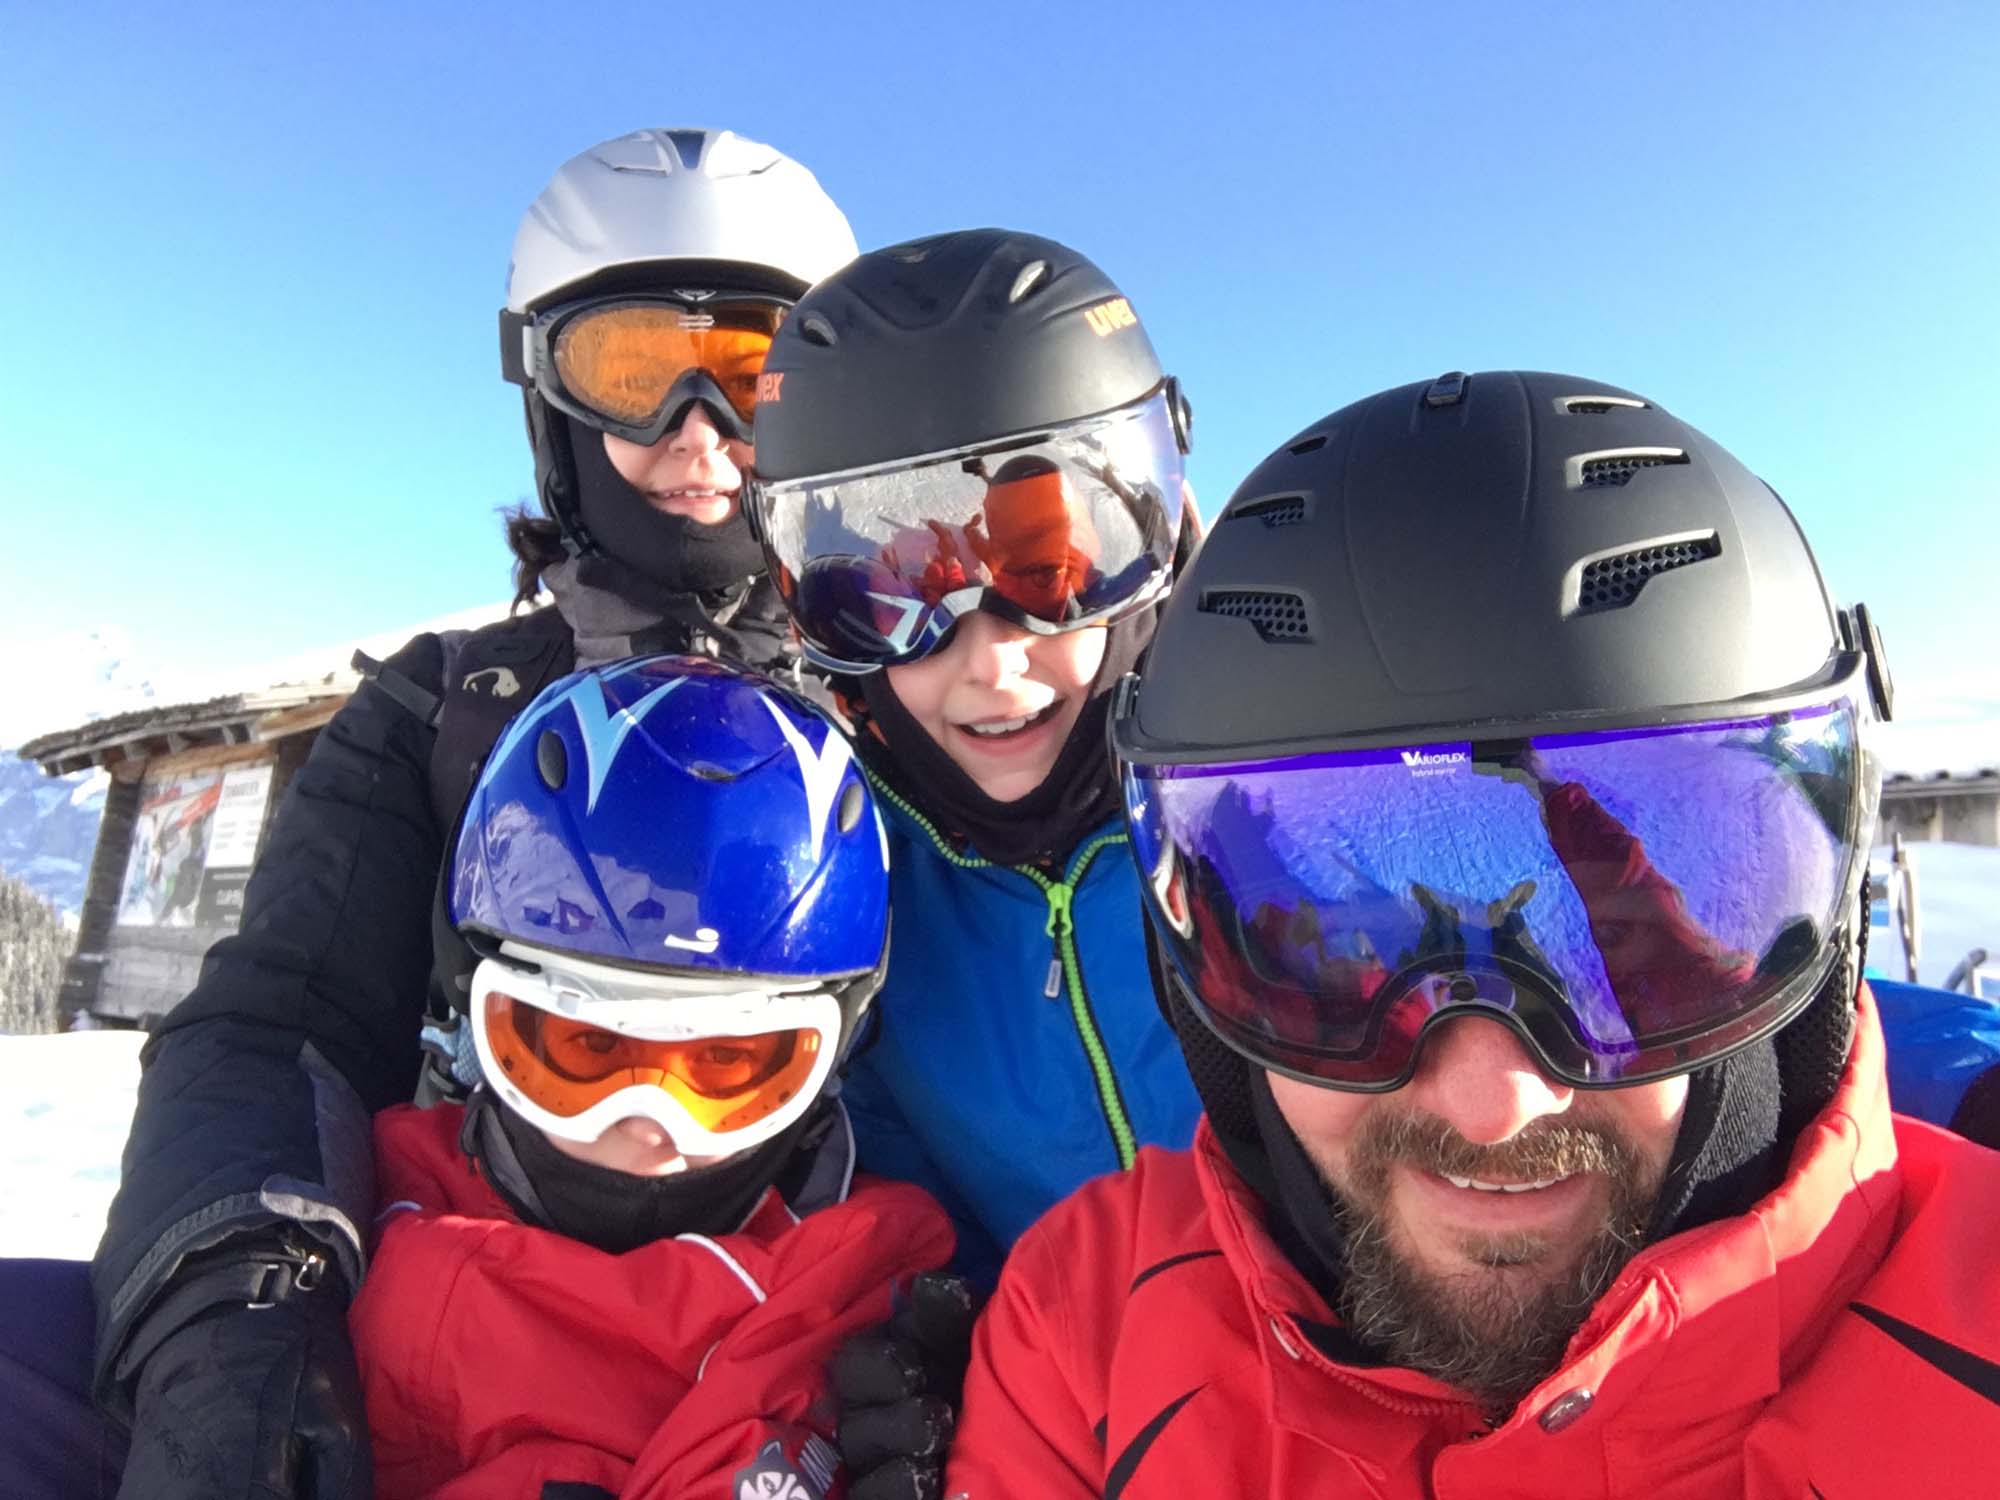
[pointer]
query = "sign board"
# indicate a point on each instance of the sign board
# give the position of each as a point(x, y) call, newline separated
point(192, 844)
point(232, 845)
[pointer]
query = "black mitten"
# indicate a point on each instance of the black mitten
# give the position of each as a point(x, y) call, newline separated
point(899, 1387)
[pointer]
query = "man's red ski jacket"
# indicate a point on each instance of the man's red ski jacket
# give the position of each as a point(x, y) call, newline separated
point(497, 1358)
point(1841, 1340)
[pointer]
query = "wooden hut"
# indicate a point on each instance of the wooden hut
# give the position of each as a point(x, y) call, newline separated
point(193, 790)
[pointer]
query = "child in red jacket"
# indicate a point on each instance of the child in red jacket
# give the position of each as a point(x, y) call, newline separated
point(622, 1265)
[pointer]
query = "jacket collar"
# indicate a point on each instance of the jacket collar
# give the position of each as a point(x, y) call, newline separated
point(1737, 1303)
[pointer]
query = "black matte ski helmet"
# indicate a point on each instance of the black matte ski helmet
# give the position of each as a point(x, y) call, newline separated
point(1488, 558)
point(945, 343)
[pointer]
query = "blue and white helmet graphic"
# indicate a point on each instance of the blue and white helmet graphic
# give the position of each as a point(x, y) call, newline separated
point(677, 814)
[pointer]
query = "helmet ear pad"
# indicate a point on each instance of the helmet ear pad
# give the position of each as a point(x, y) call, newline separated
point(1221, 1075)
point(1813, 1045)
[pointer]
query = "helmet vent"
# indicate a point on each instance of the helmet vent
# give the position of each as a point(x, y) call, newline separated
point(1276, 616)
point(1610, 470)
point(1033, 274)
point(1277, 510)
point(849, 813)
point(1614, 582)
point(1307, 445)
point(687, 146)
point(815, 329)
point(1597, 406)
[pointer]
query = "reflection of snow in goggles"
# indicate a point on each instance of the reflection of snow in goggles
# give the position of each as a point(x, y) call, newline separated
point(1051, 532)
point(630, 365)
point(1632, 903)
point(576, 1049)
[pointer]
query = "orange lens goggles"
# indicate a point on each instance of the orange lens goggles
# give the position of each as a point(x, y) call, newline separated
point(724, 1083)
point(622, 359)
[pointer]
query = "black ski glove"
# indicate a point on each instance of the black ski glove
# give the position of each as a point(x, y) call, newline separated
point(244, 1385)
point(899, 1386)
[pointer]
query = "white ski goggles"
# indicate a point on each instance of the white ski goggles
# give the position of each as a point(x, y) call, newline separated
point(577, 1048)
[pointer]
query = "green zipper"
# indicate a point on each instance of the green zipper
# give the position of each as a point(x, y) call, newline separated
point(1063, 966)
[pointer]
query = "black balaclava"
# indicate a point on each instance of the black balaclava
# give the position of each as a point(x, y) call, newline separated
point(1080, 791)
point(656, 583)
point(672, 552)
point(617, 1211)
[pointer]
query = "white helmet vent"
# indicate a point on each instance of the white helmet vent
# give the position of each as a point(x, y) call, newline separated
point(1597, 406)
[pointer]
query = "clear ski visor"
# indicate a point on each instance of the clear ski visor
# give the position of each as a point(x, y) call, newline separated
point(1052, 532)
point(1631, 903)
point(574, 1051)
point(631, 365)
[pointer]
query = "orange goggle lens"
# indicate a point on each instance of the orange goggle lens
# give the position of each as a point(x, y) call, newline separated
point(724, 1082)
point(622, 360)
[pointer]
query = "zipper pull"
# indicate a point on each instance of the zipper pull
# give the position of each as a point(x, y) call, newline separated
point(1052, 987)
point(1059, 919)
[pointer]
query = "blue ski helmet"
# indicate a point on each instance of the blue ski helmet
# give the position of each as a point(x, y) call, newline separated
point(671, 813)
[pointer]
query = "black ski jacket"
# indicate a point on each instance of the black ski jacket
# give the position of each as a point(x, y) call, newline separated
point(258, 1089)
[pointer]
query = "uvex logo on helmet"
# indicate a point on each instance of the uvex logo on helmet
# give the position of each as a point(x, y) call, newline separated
point(1110, 316)
point(769, 384)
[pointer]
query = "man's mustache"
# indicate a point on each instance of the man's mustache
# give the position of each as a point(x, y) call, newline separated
point(1544, 1150)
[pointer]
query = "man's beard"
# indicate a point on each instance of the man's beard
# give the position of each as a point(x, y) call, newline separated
point(1495, 1336)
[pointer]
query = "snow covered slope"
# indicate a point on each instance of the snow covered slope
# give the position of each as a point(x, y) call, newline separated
point(65, 1106)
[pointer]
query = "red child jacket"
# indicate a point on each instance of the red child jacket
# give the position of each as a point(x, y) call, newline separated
point(497, 1357)
point(1840, 1340)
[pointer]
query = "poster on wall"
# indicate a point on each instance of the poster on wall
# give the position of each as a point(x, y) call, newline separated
point(169, 850)
point(232, 845)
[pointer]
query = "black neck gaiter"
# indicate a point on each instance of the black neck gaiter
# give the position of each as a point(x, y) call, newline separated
point(616, 1211)
point(677, 555)
point(1079, 793)
point(615, 612)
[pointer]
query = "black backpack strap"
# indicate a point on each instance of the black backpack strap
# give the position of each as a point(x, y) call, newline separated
point(418, 699)
point(489, 676)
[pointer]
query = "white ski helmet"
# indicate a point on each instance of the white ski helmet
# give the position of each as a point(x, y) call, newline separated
point(707, 198)
point(719, 212)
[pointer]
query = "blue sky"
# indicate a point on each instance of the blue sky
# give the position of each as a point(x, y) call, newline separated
point(250, 402)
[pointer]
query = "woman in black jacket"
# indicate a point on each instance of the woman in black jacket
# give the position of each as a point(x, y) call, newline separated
point(646, 282)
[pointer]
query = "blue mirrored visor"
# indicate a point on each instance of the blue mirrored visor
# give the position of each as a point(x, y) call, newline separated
point(1633, 903)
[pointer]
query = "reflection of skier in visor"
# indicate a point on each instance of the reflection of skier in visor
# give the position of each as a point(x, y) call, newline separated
point(1028, 539)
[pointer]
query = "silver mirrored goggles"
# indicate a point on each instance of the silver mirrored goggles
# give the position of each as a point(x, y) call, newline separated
point(1050, 531)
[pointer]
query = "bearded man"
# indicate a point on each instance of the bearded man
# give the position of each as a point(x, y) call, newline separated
point(1502, 784)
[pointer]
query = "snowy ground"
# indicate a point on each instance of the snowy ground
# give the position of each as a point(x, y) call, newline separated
point(66, 1101)
point(65, 1105)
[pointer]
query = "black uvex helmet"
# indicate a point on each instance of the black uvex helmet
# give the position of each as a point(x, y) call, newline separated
point(1482, 592)
point(945, 343)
